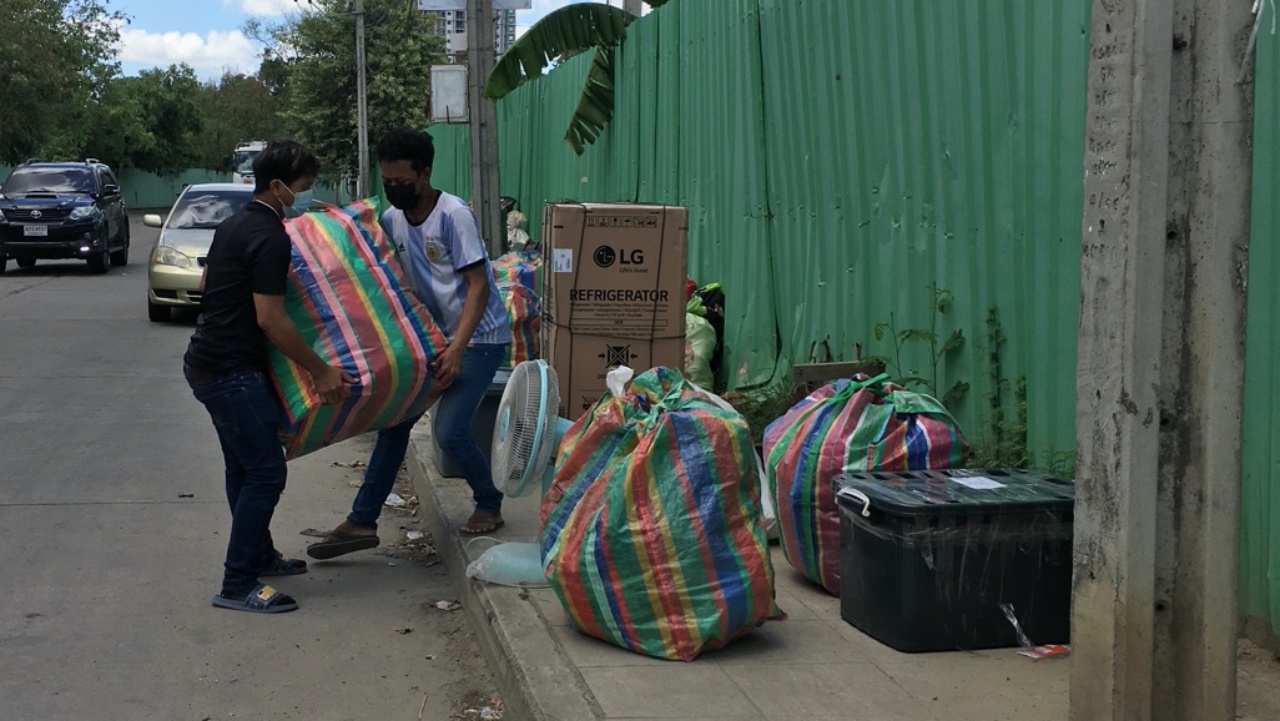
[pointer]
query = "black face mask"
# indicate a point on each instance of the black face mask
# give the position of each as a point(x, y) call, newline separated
point(403, 197)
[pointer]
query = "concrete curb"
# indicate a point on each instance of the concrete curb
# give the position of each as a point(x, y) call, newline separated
point(535, 676)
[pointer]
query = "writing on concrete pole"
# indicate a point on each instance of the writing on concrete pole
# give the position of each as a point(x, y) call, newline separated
point(1160, 362)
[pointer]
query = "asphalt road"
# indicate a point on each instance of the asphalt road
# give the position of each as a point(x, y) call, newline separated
point(107, 569)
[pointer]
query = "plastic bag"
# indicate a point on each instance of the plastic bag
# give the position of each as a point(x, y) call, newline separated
point(517, 239)
point(699, 344)
point(521, 268)
point(711, 298)
point(653, 536)
point(510, 564)
point(350, 300)
point(848, 427)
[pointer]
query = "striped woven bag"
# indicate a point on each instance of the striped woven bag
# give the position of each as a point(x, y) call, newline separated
point(653, 536)
point(525, 312)
point(519, 268)
point(848, 427)
point(515, 274)
point(349, 297)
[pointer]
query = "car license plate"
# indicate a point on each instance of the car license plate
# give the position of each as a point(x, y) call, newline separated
point(37, 231)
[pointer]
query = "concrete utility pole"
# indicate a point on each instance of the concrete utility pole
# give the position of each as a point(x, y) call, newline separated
point(1161, 362)
point(481, 58)
point(635, 7)
point(362, 105)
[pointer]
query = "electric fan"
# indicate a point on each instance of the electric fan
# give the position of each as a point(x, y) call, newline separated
point(527, 431)
point(526, 434)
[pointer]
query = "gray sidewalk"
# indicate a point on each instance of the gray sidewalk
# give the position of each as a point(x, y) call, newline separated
point(812, 666)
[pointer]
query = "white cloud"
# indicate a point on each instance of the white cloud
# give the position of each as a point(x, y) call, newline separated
point(267, 8)
point(208, 54)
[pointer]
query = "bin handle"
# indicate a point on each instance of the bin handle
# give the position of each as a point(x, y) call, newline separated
point(857, 496)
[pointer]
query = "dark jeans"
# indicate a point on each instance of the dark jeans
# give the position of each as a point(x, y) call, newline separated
point(453, 417)
point(245, 412)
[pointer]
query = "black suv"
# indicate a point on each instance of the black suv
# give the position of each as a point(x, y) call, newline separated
point(51, 211)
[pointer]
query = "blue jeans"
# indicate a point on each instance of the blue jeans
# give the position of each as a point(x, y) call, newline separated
point(453, 418)
point(245, 412)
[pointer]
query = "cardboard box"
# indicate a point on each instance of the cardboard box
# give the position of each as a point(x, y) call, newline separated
point(613, 294)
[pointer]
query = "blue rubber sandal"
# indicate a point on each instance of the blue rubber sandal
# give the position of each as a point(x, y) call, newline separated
point(281, 566)
point(262, 599)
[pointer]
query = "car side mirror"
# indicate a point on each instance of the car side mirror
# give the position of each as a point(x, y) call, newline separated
point(152, 221)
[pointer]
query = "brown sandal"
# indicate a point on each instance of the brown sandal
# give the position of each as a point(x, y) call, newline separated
point(340, 543)
point(482, 522)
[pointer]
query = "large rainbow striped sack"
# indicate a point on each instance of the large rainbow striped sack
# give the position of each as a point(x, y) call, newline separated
point(516, 275)
point(520, 267)
point(848, 427)
point(350, 299)
point(525, 312)
point(653, 535)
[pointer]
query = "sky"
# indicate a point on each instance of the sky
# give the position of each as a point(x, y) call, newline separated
point(206, 34)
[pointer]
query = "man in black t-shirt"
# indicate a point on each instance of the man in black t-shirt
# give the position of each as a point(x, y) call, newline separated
point(242, 310)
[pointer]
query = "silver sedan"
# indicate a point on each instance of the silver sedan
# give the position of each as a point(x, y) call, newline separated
point(177, 261)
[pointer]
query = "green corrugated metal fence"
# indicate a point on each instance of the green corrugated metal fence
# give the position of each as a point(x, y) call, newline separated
point(1260, 518)
point(452, 169)
point(911, 143)
point(837, 158)
point(151, 191)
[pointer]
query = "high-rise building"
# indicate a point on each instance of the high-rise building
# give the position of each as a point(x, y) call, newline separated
point(452, 24)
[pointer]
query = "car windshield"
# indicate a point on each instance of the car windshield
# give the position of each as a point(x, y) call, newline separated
point(243, 161)
point(207, 208)
point(48, 180)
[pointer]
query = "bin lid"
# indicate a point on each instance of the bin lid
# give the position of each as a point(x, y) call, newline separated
point(954, 491)
point(500, 379)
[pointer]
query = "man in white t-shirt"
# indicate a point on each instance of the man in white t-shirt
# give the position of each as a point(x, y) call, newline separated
point(438, 243)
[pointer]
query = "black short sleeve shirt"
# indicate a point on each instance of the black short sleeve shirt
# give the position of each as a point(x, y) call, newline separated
point(250, 254)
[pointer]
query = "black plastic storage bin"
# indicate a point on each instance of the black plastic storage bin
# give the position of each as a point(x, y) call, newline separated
point(928, 558)
point(481, 427)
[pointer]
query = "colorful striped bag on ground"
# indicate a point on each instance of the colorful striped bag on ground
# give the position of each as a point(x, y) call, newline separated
point(848, 426)
point(349, 297)
point(525, 312)
point(519, 268)
point(516, 275)
point(653, 535)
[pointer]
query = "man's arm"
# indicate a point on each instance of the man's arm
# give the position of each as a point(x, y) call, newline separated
point(449, 364)
point(470, 258)
point(270, 257)
point(331, 383)
point(477, 282)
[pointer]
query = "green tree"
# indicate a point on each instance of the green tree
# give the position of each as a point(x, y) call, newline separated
point(117, 126)
point(274, 74)
point(151, 121)
point(57, 58)
point(236, 108)
point(310, 62)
